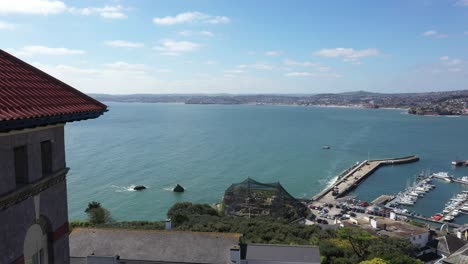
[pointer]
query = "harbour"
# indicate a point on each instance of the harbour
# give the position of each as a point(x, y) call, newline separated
point(298, 161)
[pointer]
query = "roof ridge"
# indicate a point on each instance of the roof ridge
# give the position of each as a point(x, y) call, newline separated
point(155, 231)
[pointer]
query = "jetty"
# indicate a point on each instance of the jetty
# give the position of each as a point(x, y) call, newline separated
point(350, 178)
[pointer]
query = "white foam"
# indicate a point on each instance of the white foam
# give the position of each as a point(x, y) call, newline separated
point(130, 188)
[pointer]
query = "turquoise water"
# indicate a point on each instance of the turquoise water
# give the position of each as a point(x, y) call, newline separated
point(205, 148)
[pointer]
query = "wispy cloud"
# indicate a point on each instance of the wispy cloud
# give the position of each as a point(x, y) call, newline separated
point(348, 54)
point(43, 50)
point(211, 62)
point(189, 33)
point(313, 74)
point(445, 65)
point(52, 7)
point(124, 44)
point(300, 74)
point(433, 34)
point(174, 48)
point(235, 71)
point(35, 7)
point(6, 26)
point(257, 66)
point(298, 63)
point(190, 17)
point(272, 53)
point(109, 12)
point(121, 65)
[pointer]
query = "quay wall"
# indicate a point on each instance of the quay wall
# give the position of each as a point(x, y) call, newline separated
point(350, 171)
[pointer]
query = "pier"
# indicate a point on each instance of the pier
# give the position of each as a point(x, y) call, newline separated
point(350, 178)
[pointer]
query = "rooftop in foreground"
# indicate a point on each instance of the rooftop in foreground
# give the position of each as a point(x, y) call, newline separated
point(153, 245)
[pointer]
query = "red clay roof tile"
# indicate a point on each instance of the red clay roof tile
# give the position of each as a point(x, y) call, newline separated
point(27, 93)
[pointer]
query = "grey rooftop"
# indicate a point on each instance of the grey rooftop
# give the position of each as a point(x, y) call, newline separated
point(153, 245)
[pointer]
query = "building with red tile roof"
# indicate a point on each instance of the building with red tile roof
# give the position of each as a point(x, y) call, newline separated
point(30, 98)
point(34, 108)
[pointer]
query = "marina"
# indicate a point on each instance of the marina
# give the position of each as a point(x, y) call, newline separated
point(350, 178)
point(422, 184)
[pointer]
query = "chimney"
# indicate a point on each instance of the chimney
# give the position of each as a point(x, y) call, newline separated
point(168, 224)
point(235, 255)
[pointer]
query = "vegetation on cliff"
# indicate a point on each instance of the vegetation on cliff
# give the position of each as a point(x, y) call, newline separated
point(343, 245)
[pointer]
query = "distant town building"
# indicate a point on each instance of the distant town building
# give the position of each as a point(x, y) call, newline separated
point(34, 108)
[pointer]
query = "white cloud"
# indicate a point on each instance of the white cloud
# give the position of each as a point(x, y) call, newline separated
point(6, 26)
point(272, 53)
point(189, 33)
point(303, 64)
point(190, 17)
point(434, 34)
point(174, 48)
point(109, 12)
point(43, 50)
point(257, 66)
point(124, 44)
point(348, 54)
point(234, 71)
point(430, 33)
point(52, 7)
point(121, 65)
point(211, 62)
point(35, 7)
point(313, 74)
point(104, 79)
point(300, 74)
point(446, 60)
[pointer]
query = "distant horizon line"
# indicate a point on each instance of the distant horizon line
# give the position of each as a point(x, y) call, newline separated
point(276, 94)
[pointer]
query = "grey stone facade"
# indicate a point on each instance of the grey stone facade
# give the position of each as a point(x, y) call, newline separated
point(42, 201)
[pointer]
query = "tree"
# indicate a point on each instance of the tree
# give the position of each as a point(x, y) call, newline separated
point(359, 239)
point(373, 261)
point(97, 214)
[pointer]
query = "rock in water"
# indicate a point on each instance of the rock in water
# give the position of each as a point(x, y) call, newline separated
point(139, 188)
point(179, 188)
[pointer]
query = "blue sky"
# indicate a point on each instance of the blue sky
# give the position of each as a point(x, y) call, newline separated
point(201, 46)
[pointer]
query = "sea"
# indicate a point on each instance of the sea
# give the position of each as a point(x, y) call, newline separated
point(206, 148)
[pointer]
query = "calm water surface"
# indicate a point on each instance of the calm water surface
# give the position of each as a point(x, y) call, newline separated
point(205, 148)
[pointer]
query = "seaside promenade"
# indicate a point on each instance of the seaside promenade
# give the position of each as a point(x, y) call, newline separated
point(350, 178)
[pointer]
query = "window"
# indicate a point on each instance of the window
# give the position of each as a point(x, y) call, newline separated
point(38, 258)
point(46, 155)
point(21, 165)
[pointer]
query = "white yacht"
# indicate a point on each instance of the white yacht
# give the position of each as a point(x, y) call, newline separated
point(443, 176)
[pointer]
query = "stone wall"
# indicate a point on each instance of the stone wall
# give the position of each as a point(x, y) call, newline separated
point(43, 201)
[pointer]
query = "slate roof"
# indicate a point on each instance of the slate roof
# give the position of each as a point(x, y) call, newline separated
point(459, 257)
point(153, 245)
point(449, 244)
point(279, 254)
point(30, 97)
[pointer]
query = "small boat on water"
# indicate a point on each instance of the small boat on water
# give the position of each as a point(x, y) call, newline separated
point(443, 176)
point(448, 218)
point(463, 180)
point(437, 217)
point(460, 163)
point(326, 147)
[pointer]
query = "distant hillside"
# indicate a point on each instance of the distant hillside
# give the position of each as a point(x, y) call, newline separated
point(356, 98)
